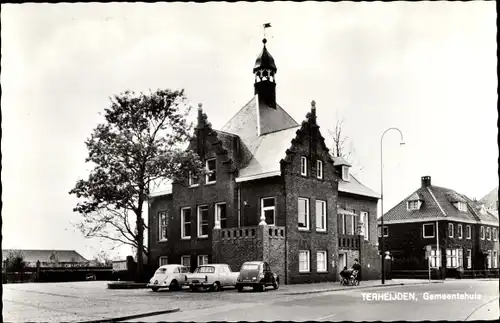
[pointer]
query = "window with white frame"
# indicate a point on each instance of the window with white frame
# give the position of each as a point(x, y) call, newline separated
point(319, 169)
point(451, 258)
point(460, 257)
point(434, 258)
point(320, 215)
point(488, 233)
point(469, 258)
point(428, 230)
point(162, 226)
point(495, 259)
point(304, 261)
point(341, 223)
point(468, 232)
point(163, 261)
point(303, 216)
point(460, 231)
point(488, 259)
point(366, 228)
point(494, 233)
point(186, 223)
point(202, 260)
point(203, 221)
point(352, 222)
point(461, 206)
point(186, 261)
point(211, 176)
point(386, 231)
point(268, 209)
point(345, 173)
point(482, 233)
point(303, 166)
point(221, 215)
point(192, 179)
point(321, 261)
point(413, 205)
point(450, 230)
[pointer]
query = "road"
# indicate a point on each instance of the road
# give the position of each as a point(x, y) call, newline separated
point(357, 305)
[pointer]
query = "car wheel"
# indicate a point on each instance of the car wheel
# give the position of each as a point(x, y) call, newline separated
point(216, 287)
point(239, 288)
point(276, 284)
point(194, 289)
point(174, 285)
point(154, 289)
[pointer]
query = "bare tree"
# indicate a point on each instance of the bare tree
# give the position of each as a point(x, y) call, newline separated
point(343, 147)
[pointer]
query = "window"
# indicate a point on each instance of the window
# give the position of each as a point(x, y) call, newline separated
point(192, 179)
point(488, 258)
point(268, 209)
point(450, 230)
point(428, 230)
point(221, 215)
point(211, 177)
point(461, 206)
point(468, 232)
point(495, 259)
point(203, 221)
point(163, 261)
point(386, 231)
point(469, 258)
point(341, 223)
point(186, 223)
point(162, 226)
point(413, 205)
point(451, 258)
point(202, 260)
point(488, 233)
point(460, 258)
point(319, 169)
point(460, 231)
point(304, 258)
point(321, 261)
point(434, 257)
point(365, 219)
point(303, 215)
point(320, 215)
point(494, 234)
point(303, 166)
point(482, 233)
point(186, 261)
point(345, 173)
point(352, 222)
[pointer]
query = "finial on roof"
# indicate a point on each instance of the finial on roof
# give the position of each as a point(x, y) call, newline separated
point(264, 41)
point(313, 104)
point(200, 105)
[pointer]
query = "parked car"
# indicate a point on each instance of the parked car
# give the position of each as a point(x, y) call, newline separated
point(171, 276)
point(213, 277)
point(258, 275)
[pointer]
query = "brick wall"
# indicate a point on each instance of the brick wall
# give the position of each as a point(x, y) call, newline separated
point(236, 246)
point(370, 260)
point(253, 191)
point(358, 204)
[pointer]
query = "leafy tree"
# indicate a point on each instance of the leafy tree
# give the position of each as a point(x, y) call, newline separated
point(15, 261)
point(142, 140)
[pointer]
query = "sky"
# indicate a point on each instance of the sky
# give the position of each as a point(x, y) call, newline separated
point(427, 68)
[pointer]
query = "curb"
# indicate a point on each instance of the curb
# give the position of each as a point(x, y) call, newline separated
point(361, 287)
point(135, 316)
point(127, 285)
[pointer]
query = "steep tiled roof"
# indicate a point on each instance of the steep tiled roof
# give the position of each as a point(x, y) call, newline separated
point(414, 197)
point(482, 213)
point(490, 200)
point(353, 186)
point(33, 256)
point(437, 203)
point(338, 161)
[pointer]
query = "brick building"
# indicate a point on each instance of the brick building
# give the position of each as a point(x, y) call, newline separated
point(273, 193)
point(466, 232)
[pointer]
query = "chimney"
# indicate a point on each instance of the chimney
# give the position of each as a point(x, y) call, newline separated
point(426, 181)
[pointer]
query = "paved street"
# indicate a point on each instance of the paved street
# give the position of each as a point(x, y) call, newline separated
point(86, 301)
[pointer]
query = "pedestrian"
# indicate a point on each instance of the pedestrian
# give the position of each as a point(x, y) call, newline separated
point(356, 266)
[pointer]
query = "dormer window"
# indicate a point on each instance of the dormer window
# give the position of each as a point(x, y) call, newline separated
point(413, 205)
point(303, 166)
point(345, 173)
point(461, 206)
point(210, 165)
point(319, 169)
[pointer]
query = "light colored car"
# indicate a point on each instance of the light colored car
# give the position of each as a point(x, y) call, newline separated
point(213, 277)
point(171, 276)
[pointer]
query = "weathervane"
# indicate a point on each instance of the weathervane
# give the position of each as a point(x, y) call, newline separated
point(266, 25)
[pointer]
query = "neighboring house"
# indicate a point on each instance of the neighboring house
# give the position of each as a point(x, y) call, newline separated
point(490, 202)
point(49, 258)
point(272, 194)
point(466, 232)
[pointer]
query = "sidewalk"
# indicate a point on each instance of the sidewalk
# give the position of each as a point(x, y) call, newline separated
point(335, 286)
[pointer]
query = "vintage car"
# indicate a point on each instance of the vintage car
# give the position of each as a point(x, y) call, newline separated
point(213, 277)
point(171, 276)
point(257, 274)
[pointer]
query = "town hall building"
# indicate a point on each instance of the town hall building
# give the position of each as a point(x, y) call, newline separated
point(273, 192)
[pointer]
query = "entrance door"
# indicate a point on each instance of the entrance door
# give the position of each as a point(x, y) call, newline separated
point(342, 260)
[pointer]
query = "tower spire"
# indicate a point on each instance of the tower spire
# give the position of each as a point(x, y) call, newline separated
point(264, 71)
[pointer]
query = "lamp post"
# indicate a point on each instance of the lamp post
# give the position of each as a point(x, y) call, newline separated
point(382, 196)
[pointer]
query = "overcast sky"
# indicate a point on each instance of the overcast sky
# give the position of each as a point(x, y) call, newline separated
point(428, 68)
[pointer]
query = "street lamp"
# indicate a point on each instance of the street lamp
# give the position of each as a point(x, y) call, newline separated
point(382, 196)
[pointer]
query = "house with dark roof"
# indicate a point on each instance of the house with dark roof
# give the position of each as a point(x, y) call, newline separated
point(273, 192)
point(48, 258)
point(459, 231)
point(490, 201)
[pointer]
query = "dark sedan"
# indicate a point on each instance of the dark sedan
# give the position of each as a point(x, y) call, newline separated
point(258, 275)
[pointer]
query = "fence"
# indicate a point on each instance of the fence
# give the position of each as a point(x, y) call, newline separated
point(57, 274)
point(424, 274)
